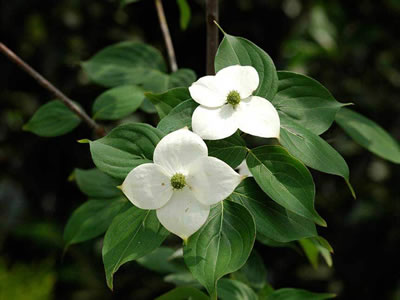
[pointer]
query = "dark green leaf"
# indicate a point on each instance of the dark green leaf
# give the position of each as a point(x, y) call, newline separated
point(160, 261)
point(285, 179)
point(92, 219)
point(239, 51)
point(124, 148)
point(231, 150)
point(179, 117)
point(297, 294)
point(305, 101)
point(117, 102)
point(369, 135)
point(184, 278)
point(125, 63)
point(184, 10)
point(165, 102)
point(52, 119)
point(229, 289)
point(271, 243)
point(96, 184)
point(131, 235)
point(182, 78)
point(272, 220)
point(222, 245)
point(253, 273)
point(184, 293)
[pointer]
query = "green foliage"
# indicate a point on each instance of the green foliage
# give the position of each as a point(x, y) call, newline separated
point(297, 294)
point(285, 179)
point(253, 273)
point(52, 119)
point(305, 101)
point(179, 117)
point(117, 102)
point(185, 14)
point(165, 102)
point(95, 184)
point(369, 135)
point(222, 245)
point(160, 261)
point(184, 293)
point(124, 148)
point(132, 234)
point(272, 220)
point(313, 247)
point(229, 289)
point(239, 51)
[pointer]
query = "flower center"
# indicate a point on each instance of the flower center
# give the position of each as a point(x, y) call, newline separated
point(178, 181)
point(233, 98)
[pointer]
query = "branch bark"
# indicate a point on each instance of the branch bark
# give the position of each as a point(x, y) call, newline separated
point(166, 35)
point(55, 91)
point(212, 14)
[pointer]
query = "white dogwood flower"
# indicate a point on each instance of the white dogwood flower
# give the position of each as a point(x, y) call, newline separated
point(243, 169)
point(227, 104)
point(182, 183)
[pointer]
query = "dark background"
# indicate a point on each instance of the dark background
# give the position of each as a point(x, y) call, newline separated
point(352, 47)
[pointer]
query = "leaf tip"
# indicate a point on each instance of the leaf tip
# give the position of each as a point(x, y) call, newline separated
point(84, 141)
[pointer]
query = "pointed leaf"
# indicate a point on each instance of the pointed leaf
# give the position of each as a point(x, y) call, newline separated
point(285, 179)
point(165, 102)
point(222, 245)
point(179, 117)
point(229, 289)
point(96, 184)
point(132, 234)
point(185, 14)
point(253, 273)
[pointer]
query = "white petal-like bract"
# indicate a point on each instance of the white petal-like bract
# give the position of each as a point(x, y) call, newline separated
point(257, 116)
point(214, 123)
point(178, 149)
point(207, 91)
point(183, 215)
point(147, 186)
point(212, 180)
point(243, 79)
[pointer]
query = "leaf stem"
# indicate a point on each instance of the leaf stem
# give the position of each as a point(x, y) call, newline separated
point(167, 36)
point(212, 16)
point(50, 87)
point(214, 295)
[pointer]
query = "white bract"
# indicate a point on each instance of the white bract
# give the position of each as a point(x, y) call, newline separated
point(182, 183)
point(227, 104)
point(243, 169)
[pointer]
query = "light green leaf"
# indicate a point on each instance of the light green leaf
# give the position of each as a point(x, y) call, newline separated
point(184, 293)
point(253, 273)
point(92, 219)
point(124, 148)
point(239, 51)
point(312, 150)
point(96, 184)
point(131, 235)
point(117, 102)
point(305, 101)
point(285, 179)
point(179, 117)
point(297, 294)
point(272, 220)
point(52, 119)
point(369, 135)
point(165, 102)
point(160, 261)
point(185, 14)
point(313, 247)
point(125, 63)
point(231, 150)
point(184, 278)
point(222, 245)
point(229, 289)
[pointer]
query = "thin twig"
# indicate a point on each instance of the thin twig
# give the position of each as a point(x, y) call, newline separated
point(212, 15)
point(55, 91)
point(167, 35)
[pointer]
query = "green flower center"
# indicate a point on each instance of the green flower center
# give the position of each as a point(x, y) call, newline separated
point(178, 181)
point(233, 98)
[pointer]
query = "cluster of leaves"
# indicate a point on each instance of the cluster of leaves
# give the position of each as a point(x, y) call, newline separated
point(276, 206)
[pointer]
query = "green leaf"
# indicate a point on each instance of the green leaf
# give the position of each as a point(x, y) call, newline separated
point(185, 14)
point(96, 184)
point(222, 245)
point(229, 289)
point(312, 150)
point(297, 294)
point(184, 293)
point(285, 179)
point(231, 150)
point(165, 102)
point(160, 261)
point(125, 2)
point(124, 148)
point(306, 101)
point(52, 119)
point(125, 63)
point(182, 78)
point(272, 220)
point(271, 243)
point(313, 247)
point(117, 102)
point(179, 117)
point(131, 235)
point(184, 278)
point(239, 51)
point(369, 135)
point(253, 273)
point(92, 219)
